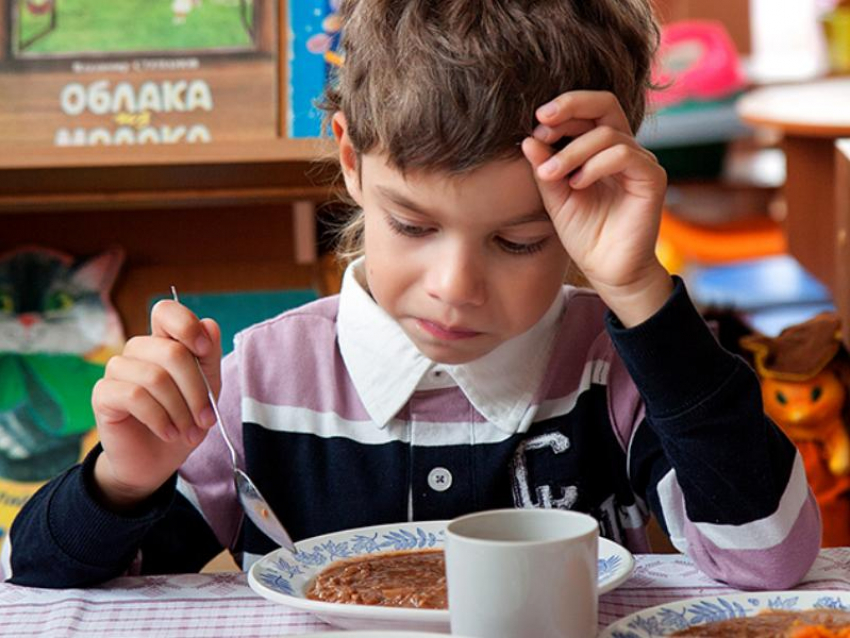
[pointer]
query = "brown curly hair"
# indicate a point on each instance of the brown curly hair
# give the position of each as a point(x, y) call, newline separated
point(450, 85)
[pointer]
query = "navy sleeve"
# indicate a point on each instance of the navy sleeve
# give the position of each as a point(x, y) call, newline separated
point(63, 537)
point(705, 418)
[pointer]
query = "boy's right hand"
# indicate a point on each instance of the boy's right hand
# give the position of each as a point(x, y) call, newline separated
point(151, 406)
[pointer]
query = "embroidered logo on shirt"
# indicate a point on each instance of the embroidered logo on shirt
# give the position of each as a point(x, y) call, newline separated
point(543, 497)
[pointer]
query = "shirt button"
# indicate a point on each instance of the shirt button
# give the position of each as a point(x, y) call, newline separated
point(439, 479)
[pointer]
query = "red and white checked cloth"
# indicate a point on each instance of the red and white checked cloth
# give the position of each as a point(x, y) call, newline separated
point(222, 604)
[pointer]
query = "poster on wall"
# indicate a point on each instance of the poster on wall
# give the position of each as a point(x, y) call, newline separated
point(89, 73)
point(313, 54)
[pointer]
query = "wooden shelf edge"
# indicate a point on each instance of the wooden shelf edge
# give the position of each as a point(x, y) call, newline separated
point(278, 150)
point(130, 200)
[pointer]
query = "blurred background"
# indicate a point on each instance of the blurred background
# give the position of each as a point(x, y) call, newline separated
point(150, 144)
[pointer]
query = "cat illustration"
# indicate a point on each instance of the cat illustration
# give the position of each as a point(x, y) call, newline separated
point(56, 324)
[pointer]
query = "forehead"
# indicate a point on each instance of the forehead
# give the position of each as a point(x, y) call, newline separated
point(504, 189)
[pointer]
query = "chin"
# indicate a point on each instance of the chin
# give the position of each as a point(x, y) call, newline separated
point(450, 356)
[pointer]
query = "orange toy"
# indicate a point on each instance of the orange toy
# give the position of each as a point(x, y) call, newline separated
point(804, 376)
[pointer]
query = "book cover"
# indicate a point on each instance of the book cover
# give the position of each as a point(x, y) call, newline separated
point(312, 54)
point(90, 73)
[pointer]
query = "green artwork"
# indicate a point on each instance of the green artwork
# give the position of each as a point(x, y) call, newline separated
point(68, 27)
point(45, 407)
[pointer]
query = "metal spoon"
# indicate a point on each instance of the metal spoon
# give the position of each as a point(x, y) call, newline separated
point(256, 507)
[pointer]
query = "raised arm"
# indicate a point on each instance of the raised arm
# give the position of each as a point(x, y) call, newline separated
point(727, 485)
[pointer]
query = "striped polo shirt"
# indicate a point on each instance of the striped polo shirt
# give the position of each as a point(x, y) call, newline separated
point(341, 422)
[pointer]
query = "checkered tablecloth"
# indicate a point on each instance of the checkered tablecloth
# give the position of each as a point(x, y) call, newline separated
point(222, 604)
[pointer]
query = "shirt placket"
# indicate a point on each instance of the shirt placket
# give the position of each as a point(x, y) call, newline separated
point(441, 484)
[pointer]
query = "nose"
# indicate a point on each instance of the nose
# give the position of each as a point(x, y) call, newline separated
point(28, 319)
point(457, 277)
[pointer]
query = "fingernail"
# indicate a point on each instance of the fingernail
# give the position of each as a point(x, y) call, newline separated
point(549, 167)
point(195, 435)
point(575, 178)
point(547, 110)
point(541, 132)
point(202, 344)
point(207, 417)
point(171, 433)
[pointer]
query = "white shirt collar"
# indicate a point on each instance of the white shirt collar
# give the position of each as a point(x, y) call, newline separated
point(387, 368)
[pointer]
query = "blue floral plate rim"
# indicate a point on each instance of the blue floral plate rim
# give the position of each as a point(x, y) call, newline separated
point(283, 577)
point(664, 620)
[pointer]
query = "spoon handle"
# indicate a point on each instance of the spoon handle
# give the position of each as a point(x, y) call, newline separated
point(213, 402)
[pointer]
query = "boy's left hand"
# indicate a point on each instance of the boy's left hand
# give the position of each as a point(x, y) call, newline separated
point(604, 193)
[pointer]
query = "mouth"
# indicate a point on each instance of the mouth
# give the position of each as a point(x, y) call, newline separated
point(440, 331)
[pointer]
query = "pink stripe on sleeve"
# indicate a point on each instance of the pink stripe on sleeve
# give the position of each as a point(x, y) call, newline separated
point(779, 567)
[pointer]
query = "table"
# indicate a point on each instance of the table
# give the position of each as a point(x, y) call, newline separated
point(222, 604)
point(811, 116)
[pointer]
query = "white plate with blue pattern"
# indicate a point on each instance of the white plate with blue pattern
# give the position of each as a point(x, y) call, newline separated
point(664, 620)
point(284, 577)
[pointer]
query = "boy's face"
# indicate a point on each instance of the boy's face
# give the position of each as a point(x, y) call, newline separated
point(461, 263)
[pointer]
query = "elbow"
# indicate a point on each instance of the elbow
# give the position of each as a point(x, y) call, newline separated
point(779, 566)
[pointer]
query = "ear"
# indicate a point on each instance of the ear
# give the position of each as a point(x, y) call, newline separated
point(760, 346)
point(348, 159)
point(99, 273)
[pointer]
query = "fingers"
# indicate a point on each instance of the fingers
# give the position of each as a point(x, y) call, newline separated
point(202, 338)
point(580, 151)
point(552, 135)
point(536, 152)
point(175, 321)
point(165, 372)
point(601, 107)
point(211, 363)
point(152, 370)
point(117, 400)
point(640, 172)
point(552, 191)
point(600, 132)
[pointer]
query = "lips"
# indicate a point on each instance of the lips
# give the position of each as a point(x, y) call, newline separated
point(445, 332)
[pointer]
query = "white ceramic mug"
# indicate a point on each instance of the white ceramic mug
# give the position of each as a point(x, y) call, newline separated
point(518, 573)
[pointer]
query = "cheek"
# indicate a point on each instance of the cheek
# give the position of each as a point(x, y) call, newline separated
point(527, 292)
point(388, 270)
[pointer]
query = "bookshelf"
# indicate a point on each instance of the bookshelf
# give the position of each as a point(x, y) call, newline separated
point(42, 179)
point(236, 210)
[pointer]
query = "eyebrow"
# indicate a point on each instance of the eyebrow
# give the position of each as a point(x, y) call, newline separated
point(400, 200)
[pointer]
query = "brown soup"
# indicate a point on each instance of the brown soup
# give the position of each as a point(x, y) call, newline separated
point(392, 579)
point(778, 624)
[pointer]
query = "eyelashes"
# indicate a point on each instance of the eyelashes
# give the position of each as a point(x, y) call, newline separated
point(510, 247)
point(514, 248)
point(406, 230)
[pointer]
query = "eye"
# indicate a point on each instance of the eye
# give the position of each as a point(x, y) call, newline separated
point(781, 398)
point(58, 301)
point(7, 305)
point(407, 230)
point(515, 248)
point(817, 391)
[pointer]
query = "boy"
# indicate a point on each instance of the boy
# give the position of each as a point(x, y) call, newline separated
point(454, 372)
